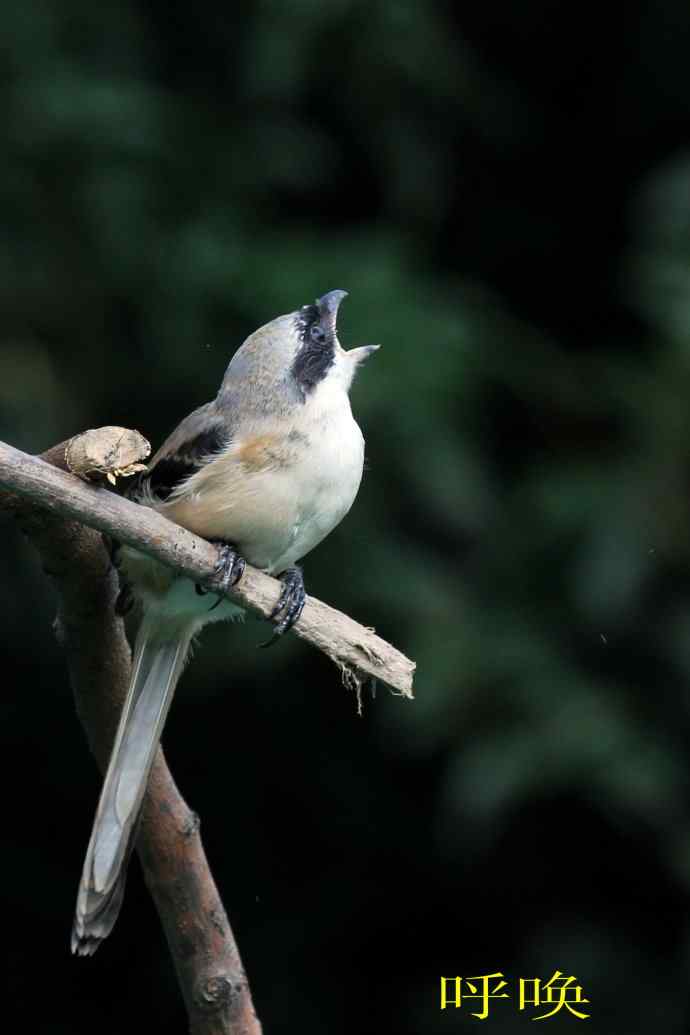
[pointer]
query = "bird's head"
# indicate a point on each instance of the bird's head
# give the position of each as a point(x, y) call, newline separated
point(301, 348)
point(319, 354)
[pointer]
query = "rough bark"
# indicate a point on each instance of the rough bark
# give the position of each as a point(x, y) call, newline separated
point(61, 513)
point(201, 942)
point(358, 651)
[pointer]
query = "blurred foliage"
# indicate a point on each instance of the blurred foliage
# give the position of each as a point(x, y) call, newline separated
point(504, 190)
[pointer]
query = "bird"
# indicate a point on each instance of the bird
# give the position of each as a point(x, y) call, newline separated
point(265, 471)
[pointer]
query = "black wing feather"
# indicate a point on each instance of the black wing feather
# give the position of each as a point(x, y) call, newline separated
point(200, 435)
point(170, 470)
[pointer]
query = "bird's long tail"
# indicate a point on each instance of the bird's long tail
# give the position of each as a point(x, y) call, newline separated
point(159, 658)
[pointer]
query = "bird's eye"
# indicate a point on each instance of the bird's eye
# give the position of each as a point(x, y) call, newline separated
point(317, 333)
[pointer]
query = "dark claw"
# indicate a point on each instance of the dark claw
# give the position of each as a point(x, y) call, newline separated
point(289, 606)
point(229, 570)
point(230, 567)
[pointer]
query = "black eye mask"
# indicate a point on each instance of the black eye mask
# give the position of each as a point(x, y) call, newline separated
point(317, 352)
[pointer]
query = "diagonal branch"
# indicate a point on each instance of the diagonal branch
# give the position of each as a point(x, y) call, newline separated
point(60, 513)
point(357, 651)
point(201, 942)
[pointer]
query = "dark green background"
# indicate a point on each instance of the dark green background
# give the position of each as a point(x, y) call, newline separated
point(504, 190)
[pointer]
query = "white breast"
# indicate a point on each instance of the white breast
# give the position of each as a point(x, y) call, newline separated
point(279, 488)
point(326, 481)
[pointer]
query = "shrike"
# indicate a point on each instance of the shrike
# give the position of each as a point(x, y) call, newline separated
point(266, 470)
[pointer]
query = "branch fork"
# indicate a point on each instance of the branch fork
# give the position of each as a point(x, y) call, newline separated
point(60, 513)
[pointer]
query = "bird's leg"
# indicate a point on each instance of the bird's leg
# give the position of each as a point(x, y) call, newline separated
point(228, 571)
point(290, 604)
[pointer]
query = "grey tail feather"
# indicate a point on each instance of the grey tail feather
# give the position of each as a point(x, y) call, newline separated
point(159, 658)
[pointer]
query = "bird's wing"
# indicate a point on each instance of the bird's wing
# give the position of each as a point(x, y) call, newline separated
point(201, 435)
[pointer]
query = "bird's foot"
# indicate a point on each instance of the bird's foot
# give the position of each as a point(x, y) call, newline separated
point(228, 571)
point(230, 567)
point(290, 604)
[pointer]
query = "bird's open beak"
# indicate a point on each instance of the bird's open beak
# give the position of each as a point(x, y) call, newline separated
point(328, 308)
point(362, 352)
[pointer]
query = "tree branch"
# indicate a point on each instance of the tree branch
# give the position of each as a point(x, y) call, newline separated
point(60, 513)
point(201, 942)
point(356, 650)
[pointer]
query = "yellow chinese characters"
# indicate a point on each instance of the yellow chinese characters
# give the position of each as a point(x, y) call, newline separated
point(478, 989)
point(544, 994)
point(558, 992)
